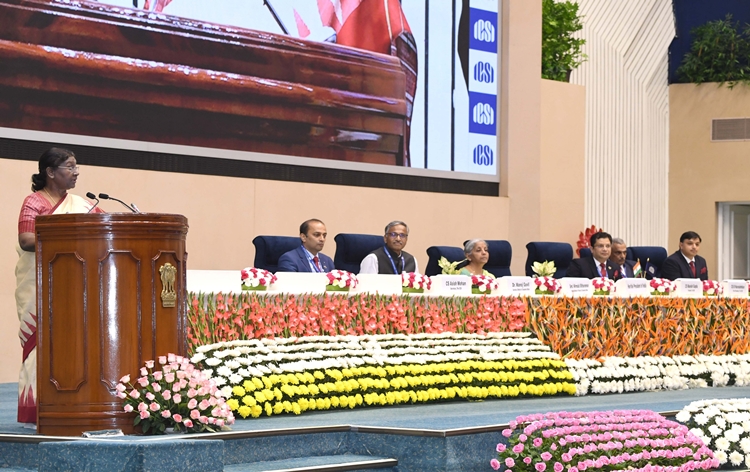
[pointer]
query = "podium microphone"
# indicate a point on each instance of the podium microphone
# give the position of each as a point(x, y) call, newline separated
point(104, 196)
point(93, 197)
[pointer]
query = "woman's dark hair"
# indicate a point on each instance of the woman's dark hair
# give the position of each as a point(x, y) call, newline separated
point(52, 157)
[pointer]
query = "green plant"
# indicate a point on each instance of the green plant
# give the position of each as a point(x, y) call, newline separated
point(561, 50)
point(720, 52)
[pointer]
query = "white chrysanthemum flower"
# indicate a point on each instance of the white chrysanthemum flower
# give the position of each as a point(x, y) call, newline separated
point(732, 436)
point(745, 445)
point(226, 391)
point(722, 444)
point(721, 456)
point(219, 381)
point(736, 458)
point(224, 371)
point(701, 419)
point(721, 422)
point(683, 416)
point(235, 379)
point(197, 358)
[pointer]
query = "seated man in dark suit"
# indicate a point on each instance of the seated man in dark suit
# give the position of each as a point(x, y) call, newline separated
point(307, 257)
point(391, 258)
point(618, 260)
point(686, 263)
point(596, 265)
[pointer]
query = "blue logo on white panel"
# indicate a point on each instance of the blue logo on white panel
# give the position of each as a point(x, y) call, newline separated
point(483, 155)
point(483, 30)
point(484, 72)
point(482, 113)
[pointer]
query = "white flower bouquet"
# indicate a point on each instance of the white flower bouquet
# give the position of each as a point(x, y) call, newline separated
point(662, 286)
point(256, 279)
point(712, 288)
point(547, 285)
point(483, 285)
point(413, 282)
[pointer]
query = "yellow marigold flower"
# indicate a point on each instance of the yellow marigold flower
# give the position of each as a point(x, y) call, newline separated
point(233, 404)
point(346, 372)
point(400, 370)
point(277, 394)
point(300, 376)
point(335, 401)
point(259, 396)
point(296, 408)
point(343, 401)
point(269, 409)
point(287, 406)
point(334, 374)
point(320, 403)
point(244, 411)
point(390, 369)
point(303, 403)
point(358, 399)
point(309, 378)
point(304, 390)
point(256, 411)
point(278, 408)
point(324, 388)
point(288, 390)
point(249, 400)
point(267, 382)
point(369, 398)
point(313, 389)
point(319, 375)
point(268, 394)
point(274, 379)
point(257, 382)
point(248, 385)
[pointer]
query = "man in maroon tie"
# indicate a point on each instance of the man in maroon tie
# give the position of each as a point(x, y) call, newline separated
point(597, 264)
point(307, 257)
point(686, 263)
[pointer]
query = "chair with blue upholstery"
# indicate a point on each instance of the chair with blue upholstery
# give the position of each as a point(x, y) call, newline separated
point(451, 253)
point(501, 253)
point(559, 253)
point(584, 252)
point(268, 249)
point(352, 248)
point(654, 255)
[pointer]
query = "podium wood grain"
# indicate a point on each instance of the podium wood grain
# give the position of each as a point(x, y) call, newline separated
point(100, 312)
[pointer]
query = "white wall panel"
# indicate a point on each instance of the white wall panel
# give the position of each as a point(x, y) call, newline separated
point(627, 116)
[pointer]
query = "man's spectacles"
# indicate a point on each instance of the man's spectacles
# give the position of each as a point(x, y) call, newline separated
point(70, 168)
point(397, 235)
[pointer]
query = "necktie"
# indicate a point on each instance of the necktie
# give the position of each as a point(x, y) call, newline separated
point(692, 267)
point(623, 272)
point(315, 261)
point(603, 269)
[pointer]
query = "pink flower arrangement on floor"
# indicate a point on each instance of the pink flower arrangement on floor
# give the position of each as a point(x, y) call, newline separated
point(603, 285)
point(177, 395)
point(547, 285)
point(712, 288)
point(256, 279)
point(341, 280)
point(662, 286)
point(638, 440)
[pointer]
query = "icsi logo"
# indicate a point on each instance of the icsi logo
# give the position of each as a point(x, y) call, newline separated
point(483, 155)
point(483, 114)
point(484, 72)
point(484, 30)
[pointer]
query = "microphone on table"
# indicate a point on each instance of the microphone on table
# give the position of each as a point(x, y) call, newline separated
point(92, 196)
point(104, 196)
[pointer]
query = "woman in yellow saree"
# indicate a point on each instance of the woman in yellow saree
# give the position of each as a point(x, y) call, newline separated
point(58, 172)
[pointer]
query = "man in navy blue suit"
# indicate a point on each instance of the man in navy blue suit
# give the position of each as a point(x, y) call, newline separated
point(597, 264)
point(307, 257)
point(686, 263)
point(619, 259)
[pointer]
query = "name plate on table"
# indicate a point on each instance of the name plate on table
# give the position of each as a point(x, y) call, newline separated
point(384, 284)
point(451, 285)
point(689, 288)
point(510, 285)
point(631, 287)
point(299, 282)
point(735, 288)
point(577, 287)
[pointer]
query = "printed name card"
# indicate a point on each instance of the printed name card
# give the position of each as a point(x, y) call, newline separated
point(631, 287)
point(384, 284)
point(689, 288)
point(510, 285)
point(577, 287)
point(451, 285)
point(735, 288)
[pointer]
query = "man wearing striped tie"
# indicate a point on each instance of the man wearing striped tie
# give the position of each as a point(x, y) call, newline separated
point(686, 263)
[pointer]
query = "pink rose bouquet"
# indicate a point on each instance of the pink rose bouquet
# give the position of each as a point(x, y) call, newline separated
point(175, 395)
point(256, 279)
point(603, 286)
point(415, 283)
point(712, 288)
point(341, 281)
point(638, 440)
point(662, 286)
point(482, 284)
point(547, 285)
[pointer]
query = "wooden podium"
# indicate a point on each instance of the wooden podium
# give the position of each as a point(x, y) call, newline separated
point(110, 296)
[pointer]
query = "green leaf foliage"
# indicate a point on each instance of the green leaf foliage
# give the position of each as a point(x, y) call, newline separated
point(720, 52)
point(561, 50)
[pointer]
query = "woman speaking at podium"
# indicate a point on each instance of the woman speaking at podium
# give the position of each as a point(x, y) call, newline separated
point(58, 172)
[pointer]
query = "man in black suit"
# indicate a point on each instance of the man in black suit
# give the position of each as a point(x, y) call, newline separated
point(619, 259)
point(598, 264)
point(686, 263)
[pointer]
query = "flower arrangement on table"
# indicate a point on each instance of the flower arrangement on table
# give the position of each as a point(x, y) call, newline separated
point(712, 288)
point(256, 279)
point(647, 373)
point(483, 285)
point(608, 440)
point(544, 269)
point(449, 268)
point(547, 285)
point(412, 282)
point(603, 286)
point(662, 287)
point(341, 281)
point(723, 427)
point(294, 375)
point(176, 395)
